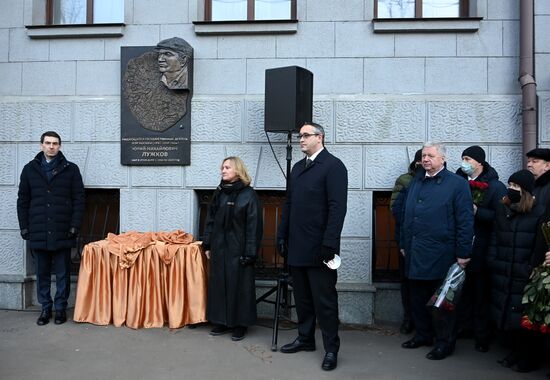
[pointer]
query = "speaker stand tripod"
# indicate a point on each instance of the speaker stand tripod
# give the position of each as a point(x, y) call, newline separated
point(284, 280)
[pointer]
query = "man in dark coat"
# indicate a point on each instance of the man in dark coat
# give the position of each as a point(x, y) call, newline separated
point(538, 163)
point(437, 231)
point(50, 207)
point(473, 308)
point(396, 204)
point(311, 224)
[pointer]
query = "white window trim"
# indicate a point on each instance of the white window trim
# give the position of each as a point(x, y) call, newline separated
point(196, 7)
point(35, 18)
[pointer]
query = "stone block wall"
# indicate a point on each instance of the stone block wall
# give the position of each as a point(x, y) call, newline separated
point(379, 96)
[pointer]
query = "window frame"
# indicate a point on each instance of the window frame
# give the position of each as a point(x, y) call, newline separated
point(464, 11)
point(250, 12)
point(89, 13)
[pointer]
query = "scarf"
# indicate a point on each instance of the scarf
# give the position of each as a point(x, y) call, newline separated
point(48, 167)
point(232, 189)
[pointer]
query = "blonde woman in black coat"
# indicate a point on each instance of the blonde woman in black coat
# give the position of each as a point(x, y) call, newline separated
point(232, 237)
point(510, 255)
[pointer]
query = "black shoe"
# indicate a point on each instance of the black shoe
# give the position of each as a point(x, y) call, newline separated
point(60, 317)
point(406, 327)
point(44, 318)
point(238, 333)
point(298, 345)
point(415, 343)
point(219, 330)
point(330, 361)
point(525, 365)
point(481, 346)
point(438, 353)
point(509, 360)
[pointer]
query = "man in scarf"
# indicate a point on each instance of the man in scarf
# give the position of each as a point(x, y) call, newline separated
point(50, 207)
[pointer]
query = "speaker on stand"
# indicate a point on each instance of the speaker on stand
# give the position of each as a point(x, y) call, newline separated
point(288, 105)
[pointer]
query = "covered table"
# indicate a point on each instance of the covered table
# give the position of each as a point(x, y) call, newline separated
point(142, 280)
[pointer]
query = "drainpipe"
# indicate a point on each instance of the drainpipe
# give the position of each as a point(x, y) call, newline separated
point(526, 76)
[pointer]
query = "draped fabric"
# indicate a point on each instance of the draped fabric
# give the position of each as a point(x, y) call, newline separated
point(142, 280)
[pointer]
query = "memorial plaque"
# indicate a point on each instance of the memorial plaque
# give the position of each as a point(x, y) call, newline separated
point(156, 91)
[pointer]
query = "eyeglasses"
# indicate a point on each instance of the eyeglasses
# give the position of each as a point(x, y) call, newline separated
point(306, 135)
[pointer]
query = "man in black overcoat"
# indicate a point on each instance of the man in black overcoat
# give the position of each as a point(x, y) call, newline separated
point(50, 207)
point(309, 233)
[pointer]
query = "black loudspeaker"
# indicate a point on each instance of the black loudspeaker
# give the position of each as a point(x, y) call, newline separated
point(288, 98)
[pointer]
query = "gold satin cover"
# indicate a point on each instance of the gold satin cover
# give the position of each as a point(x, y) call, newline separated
point(142, 280)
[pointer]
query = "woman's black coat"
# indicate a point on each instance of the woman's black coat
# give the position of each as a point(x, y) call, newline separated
point(49, 209)
point(509, 260)
point(231, 286)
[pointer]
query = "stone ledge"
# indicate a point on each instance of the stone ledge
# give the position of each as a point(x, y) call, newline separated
point(245, 27)
point(426, 25)
point(75, 31)
point(16, 278)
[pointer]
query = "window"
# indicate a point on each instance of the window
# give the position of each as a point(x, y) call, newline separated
point(421, 8)
point(79, 12)
point(101, 216)
point(249, 10)
point(385, 252)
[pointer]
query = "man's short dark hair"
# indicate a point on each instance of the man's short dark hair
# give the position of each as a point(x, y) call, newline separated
point(50, 134)
point(318, 129)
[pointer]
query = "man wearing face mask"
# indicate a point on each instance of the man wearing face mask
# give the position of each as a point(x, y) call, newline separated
point(473, 309)
point(538, 163)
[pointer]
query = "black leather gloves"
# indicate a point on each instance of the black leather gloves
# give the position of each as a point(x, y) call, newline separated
point(73, 233)
point(327, 253)
point(247, 260)
point(281, 247)
point(25, 234)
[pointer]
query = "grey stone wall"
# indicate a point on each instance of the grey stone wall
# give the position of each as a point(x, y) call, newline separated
point(378, 95)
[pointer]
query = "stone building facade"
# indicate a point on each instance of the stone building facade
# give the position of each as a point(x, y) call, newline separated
point(380, 89)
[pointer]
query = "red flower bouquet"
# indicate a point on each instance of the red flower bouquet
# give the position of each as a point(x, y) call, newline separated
point(478, 190)
point(536, 295)
point(447, 295)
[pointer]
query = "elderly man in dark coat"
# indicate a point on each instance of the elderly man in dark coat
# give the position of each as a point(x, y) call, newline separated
point(437, 231)
point(311, 224)
point(50, 207)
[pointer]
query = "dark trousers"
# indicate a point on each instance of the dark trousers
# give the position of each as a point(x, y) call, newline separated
point(405, 290)
point(430, 321)
point(44, 262)
point(473, 307)
point(316, 299)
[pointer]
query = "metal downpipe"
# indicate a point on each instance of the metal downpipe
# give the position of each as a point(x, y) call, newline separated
point(527, 77)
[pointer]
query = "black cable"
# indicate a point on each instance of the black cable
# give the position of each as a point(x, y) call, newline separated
point(274, 155)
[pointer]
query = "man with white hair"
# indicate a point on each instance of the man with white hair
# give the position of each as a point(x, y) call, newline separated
point(437, 231)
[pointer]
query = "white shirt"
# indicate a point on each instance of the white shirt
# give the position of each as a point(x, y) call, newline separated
point(314, 155)
point(431, 176)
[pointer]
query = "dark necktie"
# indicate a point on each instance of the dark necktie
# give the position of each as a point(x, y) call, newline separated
point(308, 163)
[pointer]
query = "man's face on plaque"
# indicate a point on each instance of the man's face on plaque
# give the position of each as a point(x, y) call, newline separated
point(168, 61)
